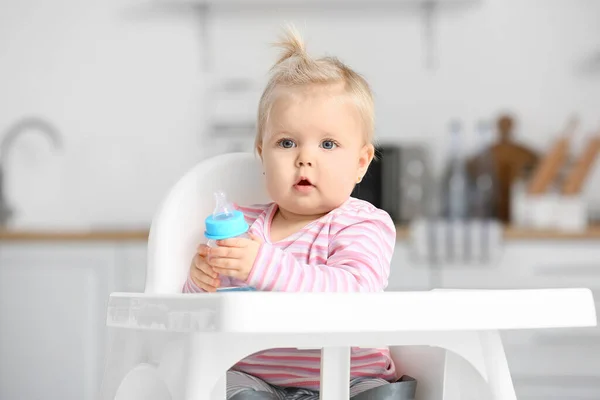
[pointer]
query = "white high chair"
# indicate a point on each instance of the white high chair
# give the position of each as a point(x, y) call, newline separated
point(167, 345)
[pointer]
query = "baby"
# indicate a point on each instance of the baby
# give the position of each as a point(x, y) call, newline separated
point(314, 138)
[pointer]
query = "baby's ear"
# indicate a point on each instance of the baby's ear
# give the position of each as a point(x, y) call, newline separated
point(366, 156)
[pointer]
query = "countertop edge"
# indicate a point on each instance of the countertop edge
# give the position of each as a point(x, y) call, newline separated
point(511, 233)
point(515, 233)
point(31, 235)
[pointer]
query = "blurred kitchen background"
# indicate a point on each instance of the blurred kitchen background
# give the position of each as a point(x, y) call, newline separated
point(488, 116)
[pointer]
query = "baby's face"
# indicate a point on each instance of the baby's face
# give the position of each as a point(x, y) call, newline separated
point(314, 149)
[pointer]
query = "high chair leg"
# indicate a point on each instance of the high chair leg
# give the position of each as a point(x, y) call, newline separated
point(125, 351)
point(452, 388)
point(205, 376)
point(486, 359)
point(496, 365)
point(335, 373)
point(461, 381)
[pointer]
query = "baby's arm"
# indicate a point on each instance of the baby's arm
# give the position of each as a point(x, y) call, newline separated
point(359, 261)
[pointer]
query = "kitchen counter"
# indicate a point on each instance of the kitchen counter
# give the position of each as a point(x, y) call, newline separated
point(402, 233)
point(518, 233)
point(115, 235)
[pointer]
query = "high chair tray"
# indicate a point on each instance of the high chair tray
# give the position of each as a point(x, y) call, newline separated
point(277, 312)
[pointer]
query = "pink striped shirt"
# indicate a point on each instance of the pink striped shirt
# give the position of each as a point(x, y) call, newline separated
point(346, 250)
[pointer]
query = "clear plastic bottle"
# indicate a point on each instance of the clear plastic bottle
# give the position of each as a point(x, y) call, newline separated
point(455, 197)
point(484, 192)
point(455, 182)
point(224, 223)
point(484, 183)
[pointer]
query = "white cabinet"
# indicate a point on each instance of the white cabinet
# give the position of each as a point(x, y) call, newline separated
point(556, 363)
point(52, 313)
point(130, 272)
point(545, 364)
point(405, 274)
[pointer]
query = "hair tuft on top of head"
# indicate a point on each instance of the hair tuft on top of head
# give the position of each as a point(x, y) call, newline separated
point(292, 44)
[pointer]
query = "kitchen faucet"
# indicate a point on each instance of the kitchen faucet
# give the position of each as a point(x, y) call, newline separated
point(21, 126)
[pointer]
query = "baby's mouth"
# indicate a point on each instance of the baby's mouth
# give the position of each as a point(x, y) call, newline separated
point(303, 182)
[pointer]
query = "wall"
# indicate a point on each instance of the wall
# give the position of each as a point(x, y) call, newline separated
point(120, 81)
point(124, 81)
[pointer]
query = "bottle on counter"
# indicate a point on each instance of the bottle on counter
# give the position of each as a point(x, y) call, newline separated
point(455, 180)
point(483, 193)
point(483, 181)
point(455, 198)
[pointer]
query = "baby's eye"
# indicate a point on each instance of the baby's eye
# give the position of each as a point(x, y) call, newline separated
point(328, 144)
point(286, 143)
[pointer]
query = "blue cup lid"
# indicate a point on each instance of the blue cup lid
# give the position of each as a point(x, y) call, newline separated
point(223, 226)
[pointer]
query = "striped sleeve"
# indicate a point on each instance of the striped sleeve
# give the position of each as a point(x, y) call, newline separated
point(251, 213)
point(359, 261)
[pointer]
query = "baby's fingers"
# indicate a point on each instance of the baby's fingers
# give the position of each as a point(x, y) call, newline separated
point(202, 249)
point(226, 252)
point(204, 281)
point(201, 264)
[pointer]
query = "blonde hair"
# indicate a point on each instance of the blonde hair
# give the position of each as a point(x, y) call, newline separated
point(295, 68)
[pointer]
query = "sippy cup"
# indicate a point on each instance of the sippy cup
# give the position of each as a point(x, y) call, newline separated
point(224, 223)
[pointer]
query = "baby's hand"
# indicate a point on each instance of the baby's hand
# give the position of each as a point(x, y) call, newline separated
point(202, 274)
point(235, 257)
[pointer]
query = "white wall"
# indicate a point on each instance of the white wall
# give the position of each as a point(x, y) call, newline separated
point(120, 80)
point(123, 80)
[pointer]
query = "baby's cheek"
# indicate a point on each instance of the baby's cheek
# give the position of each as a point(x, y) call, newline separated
point(341, 179)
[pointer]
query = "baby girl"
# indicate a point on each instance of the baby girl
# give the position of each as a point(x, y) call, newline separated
point(314, 138)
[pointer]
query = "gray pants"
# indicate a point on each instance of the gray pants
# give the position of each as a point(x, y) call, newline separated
point(241, 386)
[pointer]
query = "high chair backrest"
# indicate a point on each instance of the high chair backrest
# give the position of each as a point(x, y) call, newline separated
point(178, 226)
